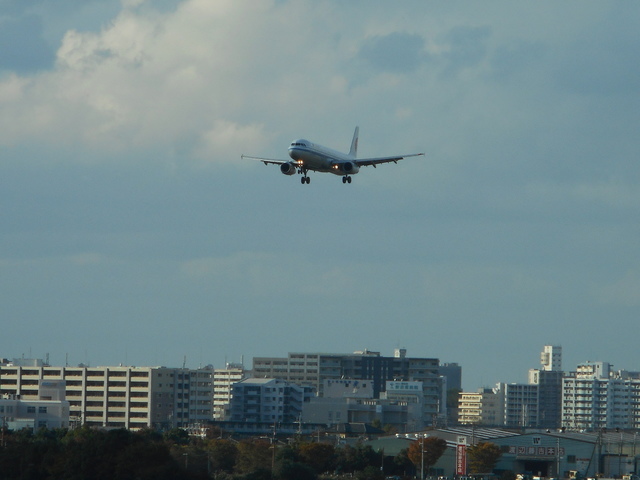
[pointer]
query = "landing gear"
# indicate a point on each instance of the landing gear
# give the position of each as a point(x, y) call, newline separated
point(304, 179)
point(346, 179)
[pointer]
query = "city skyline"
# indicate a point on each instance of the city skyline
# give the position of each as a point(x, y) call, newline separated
point(134, 233)
point(559, 364)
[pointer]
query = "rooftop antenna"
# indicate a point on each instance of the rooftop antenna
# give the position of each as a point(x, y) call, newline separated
point(184, 362)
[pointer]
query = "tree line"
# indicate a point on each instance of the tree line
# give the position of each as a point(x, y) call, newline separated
point(87, 453)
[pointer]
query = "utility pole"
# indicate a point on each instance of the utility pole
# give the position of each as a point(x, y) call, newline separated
point(421, 436)
point(557, 457)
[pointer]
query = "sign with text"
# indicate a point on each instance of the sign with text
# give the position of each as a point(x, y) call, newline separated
point(533, 451)
point(461, 456)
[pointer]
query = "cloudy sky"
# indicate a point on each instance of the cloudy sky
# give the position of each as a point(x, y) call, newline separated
point(133, 233)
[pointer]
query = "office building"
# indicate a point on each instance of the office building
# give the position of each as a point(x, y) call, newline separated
point(313, 369)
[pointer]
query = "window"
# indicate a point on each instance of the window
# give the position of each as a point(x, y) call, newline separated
point(42, 409)
point(31, 409)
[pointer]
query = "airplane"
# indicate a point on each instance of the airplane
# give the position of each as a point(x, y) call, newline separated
point(306, 156)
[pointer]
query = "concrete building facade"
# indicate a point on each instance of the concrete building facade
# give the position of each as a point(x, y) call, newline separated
point(484, 407)
point(313, 369)
point(268, 400)
point(49, 410)
point(223, 381)
point(120, 397)
point(594, 397)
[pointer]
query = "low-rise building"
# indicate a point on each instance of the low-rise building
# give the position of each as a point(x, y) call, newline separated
point(49, 410)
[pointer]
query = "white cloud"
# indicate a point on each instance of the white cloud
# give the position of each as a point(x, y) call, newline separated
point(525, 203)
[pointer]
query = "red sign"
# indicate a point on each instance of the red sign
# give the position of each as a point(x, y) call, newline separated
point(461, 459)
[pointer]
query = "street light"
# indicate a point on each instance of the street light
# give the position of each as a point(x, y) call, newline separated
point(421, 436)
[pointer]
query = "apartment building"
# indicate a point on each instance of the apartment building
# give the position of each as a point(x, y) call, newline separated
point(268, 400)
point(520, 404)
point(548, 379)
point(596, 397)
point(223, 381)
point(313, 369)
point(484, 407)
point(122, 396)
point(549, 383)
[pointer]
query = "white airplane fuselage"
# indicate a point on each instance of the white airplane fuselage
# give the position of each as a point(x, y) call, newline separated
point(308, 155)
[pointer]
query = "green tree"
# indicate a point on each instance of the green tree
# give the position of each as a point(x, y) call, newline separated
point(321, 457)
point(427, 450)
point(402, 465)
point(354, 459)
point(254, 455)
point(295, 471)
point(222, 455)
point(482, 457)
point(370, 473)
point(177, 436)
point(453, 394)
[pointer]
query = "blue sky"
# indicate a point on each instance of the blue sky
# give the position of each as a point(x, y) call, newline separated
point(134, 233)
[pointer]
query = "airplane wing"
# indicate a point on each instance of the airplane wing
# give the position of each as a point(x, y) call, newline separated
point(267, 161)
point(365, 162)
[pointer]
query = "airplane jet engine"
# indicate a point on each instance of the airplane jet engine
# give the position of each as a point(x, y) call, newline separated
point(350, 168)
point(288, 168)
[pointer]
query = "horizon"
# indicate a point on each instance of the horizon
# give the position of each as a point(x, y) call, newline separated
point(133, 232)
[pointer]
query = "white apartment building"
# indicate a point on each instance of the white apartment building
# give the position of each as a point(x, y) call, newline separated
point(223, 380)
point(120, 397)
point(595, 397)
point(506, 405)
point(551, 358)
point(484, 407)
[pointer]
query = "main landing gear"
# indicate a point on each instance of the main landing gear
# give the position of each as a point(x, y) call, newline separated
point(346, 179)
point(304, 179)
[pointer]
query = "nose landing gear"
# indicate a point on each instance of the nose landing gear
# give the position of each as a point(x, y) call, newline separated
point(346, 179)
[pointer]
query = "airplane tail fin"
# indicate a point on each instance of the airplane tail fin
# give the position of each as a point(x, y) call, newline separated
point(353, 152)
